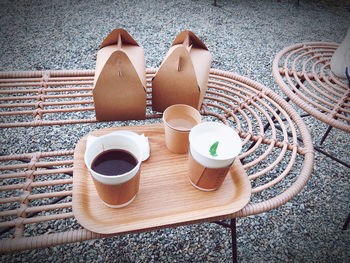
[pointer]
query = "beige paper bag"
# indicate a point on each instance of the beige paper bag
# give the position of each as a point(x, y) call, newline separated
point(120, 79)
point(182, 78)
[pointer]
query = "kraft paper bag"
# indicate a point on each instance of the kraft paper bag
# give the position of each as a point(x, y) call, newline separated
point(182, 78)
point(120, 79)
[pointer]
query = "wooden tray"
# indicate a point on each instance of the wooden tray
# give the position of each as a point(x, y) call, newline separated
point(166, 197)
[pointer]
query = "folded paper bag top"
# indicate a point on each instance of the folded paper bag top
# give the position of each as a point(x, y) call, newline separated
point(120, 79)
point(182, 78)
point(341, 57)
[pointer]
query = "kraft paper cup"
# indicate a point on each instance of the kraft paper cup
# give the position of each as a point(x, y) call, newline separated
point(178, 121)
point(207, 172)
point(119, 190)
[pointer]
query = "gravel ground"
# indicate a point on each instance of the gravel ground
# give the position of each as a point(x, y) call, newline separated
point(244, 37)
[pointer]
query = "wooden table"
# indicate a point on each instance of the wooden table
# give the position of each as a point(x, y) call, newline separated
point(303, 73)
point(277, 164)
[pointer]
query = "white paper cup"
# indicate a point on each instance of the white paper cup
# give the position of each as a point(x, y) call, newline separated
point(117, 190)
point(207, 172)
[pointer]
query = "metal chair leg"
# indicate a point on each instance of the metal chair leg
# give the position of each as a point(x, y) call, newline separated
point(232, 227)
point(326, 134)
point(345, 226)
point(234, 239)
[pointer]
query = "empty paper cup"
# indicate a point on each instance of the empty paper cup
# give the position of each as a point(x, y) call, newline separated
point(213, 148)
point(178, 121)
point(114, 161)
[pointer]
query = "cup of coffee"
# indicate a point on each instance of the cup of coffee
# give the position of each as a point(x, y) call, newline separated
point(213, 149)
point(178, 121)
point(114, 162)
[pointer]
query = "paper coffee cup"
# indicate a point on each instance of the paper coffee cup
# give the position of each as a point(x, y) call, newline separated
point(178, 121)
point(207, 170)
point(117, 190)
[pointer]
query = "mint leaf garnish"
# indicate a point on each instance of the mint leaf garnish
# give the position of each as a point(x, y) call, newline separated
point(213, 148)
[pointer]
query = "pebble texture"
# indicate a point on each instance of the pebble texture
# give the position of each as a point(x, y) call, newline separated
point(244, 37)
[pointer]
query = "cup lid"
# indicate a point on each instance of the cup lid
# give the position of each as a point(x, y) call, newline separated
point(204, 135)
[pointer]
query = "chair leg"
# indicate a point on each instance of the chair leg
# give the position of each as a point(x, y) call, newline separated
point(232, 227)
point(234, 239)
point(345, 226)
point(326, 134)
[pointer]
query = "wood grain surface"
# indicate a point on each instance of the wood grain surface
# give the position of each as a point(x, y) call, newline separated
point(166, 197)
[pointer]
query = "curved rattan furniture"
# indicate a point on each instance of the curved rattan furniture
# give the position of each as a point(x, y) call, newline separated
point(304, 75)
point(277, 162)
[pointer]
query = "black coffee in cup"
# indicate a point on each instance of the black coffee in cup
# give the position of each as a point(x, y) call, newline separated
point(114, 162)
